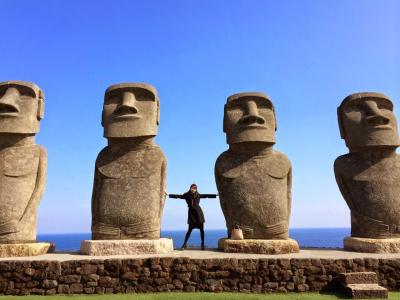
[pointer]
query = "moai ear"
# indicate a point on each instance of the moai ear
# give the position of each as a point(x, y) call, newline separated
point(340, 121)
point(276, 121)
point(102, 118)
point(40, 111)
point(224, 120)
point(158, 112)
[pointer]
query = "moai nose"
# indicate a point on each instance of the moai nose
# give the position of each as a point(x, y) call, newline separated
point(8, 101)
point(252, 116)
point(373, 115)
point(128, 104)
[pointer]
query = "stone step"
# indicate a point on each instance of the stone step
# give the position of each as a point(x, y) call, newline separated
point(366, 291)
point(358, 277)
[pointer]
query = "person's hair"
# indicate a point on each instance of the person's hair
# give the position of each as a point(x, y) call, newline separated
point(193, 185)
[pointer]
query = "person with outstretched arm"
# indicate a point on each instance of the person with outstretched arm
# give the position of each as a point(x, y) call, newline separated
point(195, 213)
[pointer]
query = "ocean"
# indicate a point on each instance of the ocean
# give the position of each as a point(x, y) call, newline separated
point(306, 237)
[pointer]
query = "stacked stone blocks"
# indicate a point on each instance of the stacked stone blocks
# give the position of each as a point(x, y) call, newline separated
point(184, 274)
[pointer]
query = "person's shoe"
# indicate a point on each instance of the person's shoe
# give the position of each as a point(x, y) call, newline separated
point(203, 247)
point(184, 246)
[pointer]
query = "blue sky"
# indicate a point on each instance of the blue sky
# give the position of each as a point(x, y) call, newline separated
point(306, 55)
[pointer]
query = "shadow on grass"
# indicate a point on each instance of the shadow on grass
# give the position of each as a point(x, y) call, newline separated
point(339, 295)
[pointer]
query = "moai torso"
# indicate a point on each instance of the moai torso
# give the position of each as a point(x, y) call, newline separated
point(129, 193)
point(20, 169)
point(255, 193)
point(372, 191)
point(23, 164)
point(369, 176)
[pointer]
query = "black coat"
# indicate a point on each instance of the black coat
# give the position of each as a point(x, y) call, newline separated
point(195, 213)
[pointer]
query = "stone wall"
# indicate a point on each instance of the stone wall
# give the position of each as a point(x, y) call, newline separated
point(184, 274)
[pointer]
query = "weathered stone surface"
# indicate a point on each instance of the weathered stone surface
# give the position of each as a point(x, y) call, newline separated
point(366, 291)
point(259, 246)
point(129, 181)
point(372, 245)
point(129, 247)
point(28, 249)
point(23, 164)
point(358, 278)
point(369, 176)
point(50, 284)
point(253, 180)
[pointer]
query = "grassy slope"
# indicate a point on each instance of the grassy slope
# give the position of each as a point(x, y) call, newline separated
point(191, 296)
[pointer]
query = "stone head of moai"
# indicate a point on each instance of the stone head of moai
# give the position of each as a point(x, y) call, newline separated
point(366, 120)
point(130, 110)
point(249, 117)
point(21, 107)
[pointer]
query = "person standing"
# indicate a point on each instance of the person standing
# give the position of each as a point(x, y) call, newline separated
point(195, 213)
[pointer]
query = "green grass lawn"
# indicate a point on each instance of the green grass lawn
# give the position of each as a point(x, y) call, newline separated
point(192, 296)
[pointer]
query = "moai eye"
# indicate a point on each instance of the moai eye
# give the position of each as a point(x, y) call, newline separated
point(26, 91)
point(144, 95)
point(354, 106)
point(384, 104)
point(112, 99)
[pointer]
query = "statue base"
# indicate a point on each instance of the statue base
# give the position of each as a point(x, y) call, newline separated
point(367, 245)
point(259, 246)
point(126, 247)
point(25, 249)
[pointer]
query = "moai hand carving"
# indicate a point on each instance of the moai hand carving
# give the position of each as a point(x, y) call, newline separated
point(23, 164)
point(369, 176)
point(253, 180)
point(129, 181)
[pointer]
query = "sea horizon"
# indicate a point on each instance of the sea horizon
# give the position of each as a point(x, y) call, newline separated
point(311, 237)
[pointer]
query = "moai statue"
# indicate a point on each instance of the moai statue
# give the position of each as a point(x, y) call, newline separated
point(369, 176)
point(23, 164)
point(253, 180)
point(129, 181)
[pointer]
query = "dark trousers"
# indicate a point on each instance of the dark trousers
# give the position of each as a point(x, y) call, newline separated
point(189, 232)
